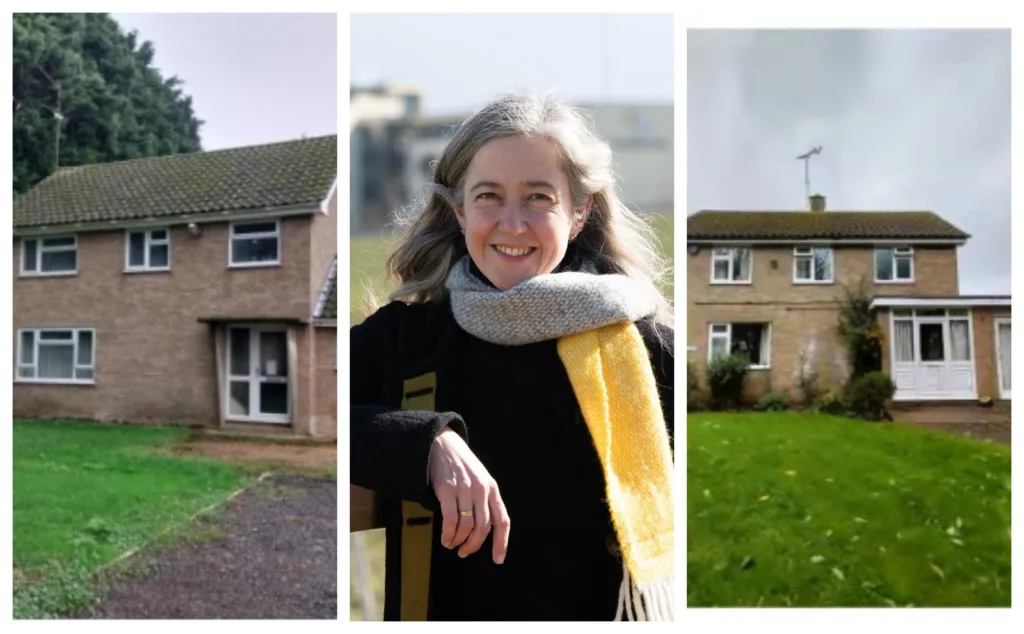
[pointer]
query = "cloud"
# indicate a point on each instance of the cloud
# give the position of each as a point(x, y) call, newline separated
point(907, 120)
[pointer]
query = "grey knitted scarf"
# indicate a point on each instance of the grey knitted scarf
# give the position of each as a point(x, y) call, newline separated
point(545, 306)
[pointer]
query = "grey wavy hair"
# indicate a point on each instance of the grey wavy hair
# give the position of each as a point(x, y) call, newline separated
point(616, 239)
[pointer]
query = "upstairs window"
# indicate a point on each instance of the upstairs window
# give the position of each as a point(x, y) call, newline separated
point(148, 250)
point(812, 265)
point(255, 243)
point(730, 265)
point(894, 264)
point(49, 256)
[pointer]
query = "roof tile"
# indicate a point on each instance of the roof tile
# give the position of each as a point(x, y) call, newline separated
point(255, 177)
point(807, 225)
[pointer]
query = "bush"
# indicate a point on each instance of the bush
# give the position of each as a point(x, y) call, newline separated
point(860, 331)
point(696, 399)
point(869, 394)
point(833, 404)
point(726, 376)
point(772, 402)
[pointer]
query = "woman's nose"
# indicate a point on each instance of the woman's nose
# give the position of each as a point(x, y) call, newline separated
point(512, 218)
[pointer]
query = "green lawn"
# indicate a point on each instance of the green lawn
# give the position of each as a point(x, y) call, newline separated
point(809, 510)
point(86, 493)
point(369, 253)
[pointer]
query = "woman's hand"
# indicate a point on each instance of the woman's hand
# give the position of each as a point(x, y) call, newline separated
point(461, 483)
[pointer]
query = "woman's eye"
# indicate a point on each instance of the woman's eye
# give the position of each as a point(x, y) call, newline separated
point(487, 196)
point(543, 197)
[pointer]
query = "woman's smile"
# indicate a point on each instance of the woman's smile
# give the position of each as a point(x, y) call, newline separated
point(514, 254)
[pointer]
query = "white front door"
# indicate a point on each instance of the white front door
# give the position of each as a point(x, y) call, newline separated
point(257, 365)
point(1003, 359)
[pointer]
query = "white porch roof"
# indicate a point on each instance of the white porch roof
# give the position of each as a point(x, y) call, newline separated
point(961, 301)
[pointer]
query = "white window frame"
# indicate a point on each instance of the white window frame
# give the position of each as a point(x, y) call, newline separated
point(716, 257)
point(727, 335)
point(73, 342)
point(897, 252)
point(42, 248)
point(997, 321)
point(800, 253)
point(148, 243)
point(248, 236)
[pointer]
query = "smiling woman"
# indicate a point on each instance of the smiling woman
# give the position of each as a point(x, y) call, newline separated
point(526, 330)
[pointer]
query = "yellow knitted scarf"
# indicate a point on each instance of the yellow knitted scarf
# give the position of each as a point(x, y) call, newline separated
point(611, 375)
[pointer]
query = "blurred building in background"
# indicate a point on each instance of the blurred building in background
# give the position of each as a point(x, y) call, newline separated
point(393, 146)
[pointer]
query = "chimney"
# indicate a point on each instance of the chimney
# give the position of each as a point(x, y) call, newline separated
point(817, 203)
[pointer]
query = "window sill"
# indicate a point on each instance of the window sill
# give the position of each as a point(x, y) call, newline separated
point(813, 282)
point(55, 274)
point(727, 283)
point(249, 420)
point(135, 271)
point(253, 265)
point(895, 282)
point(758, 368)
point(80, 382)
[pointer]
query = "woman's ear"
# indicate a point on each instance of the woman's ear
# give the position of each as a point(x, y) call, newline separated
point(582, 213)
point(460, 216)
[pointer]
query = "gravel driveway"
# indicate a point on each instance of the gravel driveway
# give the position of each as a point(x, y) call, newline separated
point(270, 553)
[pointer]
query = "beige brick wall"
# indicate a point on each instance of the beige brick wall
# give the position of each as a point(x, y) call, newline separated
point(799, 335)
point(154, 360)
point(323, 246)
point(803, 317)
point(325, 373)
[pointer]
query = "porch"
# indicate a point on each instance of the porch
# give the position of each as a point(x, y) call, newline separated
point(272, 377)
point(947, 349)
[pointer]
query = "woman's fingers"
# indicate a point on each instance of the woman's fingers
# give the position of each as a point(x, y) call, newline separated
point(499, 519)
point(448, 500)
point(481, 520)
point(465, 521)
point(468, 497)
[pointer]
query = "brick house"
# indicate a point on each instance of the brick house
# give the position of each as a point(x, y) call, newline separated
point(195, 289)
point(770, 283)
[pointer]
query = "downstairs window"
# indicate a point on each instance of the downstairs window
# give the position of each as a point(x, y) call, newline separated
point(754, 340)
point(56, 355)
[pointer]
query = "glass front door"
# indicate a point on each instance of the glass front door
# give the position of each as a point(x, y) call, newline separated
point(258, 374)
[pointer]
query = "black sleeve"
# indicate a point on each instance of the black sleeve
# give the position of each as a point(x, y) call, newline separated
point(390, 447)
point(660, 340)
point(391, 450)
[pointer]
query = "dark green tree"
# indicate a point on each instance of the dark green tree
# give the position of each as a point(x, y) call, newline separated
point(85, 92)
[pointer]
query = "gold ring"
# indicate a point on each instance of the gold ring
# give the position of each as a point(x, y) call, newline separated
point(466, 513)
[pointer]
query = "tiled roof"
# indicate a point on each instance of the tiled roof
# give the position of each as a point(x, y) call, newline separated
point(327, 302)
point(256, 177)
point(807, 225)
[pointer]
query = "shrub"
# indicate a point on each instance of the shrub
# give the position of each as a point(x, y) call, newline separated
point(860, 331)
point(869, 394)
point(833, 404)
point(726, 376)
point(772, 402)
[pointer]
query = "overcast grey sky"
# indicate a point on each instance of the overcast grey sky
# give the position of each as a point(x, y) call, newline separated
point(463, 60)
point(254, 78)
point(906, 119)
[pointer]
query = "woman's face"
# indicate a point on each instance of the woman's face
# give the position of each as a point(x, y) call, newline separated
point(517, 212)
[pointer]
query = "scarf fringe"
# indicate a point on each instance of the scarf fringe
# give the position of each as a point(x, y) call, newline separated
point(654, 601)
